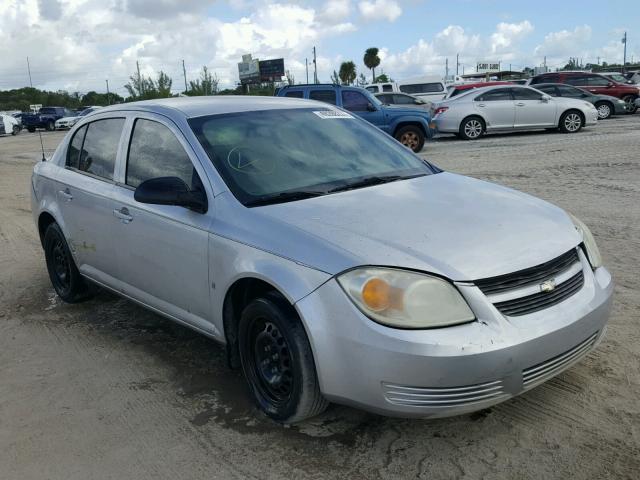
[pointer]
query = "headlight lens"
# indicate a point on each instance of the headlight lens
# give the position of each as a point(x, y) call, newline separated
point(589, 242)
point(403, 299)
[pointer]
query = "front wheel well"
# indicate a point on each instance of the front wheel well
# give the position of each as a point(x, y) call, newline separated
point(238, 296)
point(44, 220)
point(573, 110)
point(409, 124)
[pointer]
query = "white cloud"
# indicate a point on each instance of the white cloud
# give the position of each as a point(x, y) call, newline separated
point(507, 34)
point(335, 11)
point(564, 42)
point(380, 10)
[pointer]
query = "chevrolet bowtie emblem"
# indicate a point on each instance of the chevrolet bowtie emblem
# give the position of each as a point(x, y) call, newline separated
point(548, 286)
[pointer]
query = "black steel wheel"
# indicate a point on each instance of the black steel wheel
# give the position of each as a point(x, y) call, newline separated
point(277, 361)
point(63, 273)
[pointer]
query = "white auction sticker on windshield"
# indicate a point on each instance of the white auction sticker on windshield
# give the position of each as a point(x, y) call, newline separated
point(332, 114)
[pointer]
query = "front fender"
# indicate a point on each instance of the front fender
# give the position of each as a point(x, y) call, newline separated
point(396, 122)
point(231, 261)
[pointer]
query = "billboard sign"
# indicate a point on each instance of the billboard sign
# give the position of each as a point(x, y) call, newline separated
point(487, 67)
point(272, 70)
point(249, 70)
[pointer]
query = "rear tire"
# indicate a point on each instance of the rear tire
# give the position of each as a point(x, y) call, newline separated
point(605, 110)
point(471, 128)
point(571, 122)
point(277, 361)
point(65, 277)
point(411, 137)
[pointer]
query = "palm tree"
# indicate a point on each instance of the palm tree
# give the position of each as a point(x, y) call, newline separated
point(347, 72)
point(372, 60)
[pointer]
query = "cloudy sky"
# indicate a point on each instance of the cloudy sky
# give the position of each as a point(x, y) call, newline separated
point(76, 44)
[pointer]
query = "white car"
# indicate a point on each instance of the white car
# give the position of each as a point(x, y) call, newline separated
point(9, 125)
point(68, 122)
point(510, 108)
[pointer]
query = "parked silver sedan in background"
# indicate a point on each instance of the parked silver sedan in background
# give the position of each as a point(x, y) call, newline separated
point(509, 108)
point(333, 263)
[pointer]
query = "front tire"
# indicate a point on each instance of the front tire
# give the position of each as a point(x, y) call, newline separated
point(15, 130)
point(277, 361)
point(571, 122)
point(50, 126)
point(64, 275)
point(411, 137)
point(471, 128)
point(630, 101)
point(31, 129)
point(605, 110)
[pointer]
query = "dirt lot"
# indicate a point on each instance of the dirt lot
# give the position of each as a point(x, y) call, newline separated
point(108, 390)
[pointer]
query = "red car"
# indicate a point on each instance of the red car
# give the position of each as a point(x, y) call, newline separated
point(458, 89)
point(595, 83)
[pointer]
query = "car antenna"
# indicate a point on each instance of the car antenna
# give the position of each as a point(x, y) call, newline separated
point(39, 132)
point(42, 146)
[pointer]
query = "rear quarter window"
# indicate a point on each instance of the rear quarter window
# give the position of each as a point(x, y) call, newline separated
point(433, 87)
point(295, 94)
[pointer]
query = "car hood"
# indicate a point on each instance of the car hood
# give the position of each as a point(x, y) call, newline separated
point(611, 98)
point(447, 224)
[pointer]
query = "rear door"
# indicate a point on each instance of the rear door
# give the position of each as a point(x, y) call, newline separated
point(85, 190)
point(532, 110)
point(163, 249)
point(497, 108)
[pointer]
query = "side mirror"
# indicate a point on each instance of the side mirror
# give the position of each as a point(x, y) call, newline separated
point(371, 108)
point(545, 98)
point(610, 84)
point(170, 191)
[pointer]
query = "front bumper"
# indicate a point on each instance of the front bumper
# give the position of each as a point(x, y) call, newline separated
point(454, 370)
point(620, 108)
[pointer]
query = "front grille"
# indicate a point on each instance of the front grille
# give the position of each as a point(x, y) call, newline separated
point(443, 397)
point(542, 300)
point(525, 302)
point(542, 372)
point(528, 276)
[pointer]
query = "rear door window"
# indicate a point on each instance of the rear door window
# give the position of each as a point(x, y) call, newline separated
point(327, 96)
point(495, 95)
point(100, 147)
point(295, 94)
point(75, 147)
point(598, 81)
point(578, 80)
point(354, 101)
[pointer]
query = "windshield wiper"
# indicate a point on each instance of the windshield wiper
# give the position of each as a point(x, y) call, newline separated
point(375, 180)
point(284, 197)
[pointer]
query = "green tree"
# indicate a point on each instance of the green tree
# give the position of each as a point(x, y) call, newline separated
point(347, 72)
point(383, 78)
point(335, 78)
point(163, 85)
point(207, 84)
point(101, 99)
point(371, 61)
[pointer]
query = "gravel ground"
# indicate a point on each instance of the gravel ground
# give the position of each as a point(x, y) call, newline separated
point(106, 389)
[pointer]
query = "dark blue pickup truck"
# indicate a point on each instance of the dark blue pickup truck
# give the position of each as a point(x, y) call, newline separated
point(409, 125)
point(45, 118)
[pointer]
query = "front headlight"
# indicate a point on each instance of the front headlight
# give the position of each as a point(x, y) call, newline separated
point(404, 299)
point(589, 242)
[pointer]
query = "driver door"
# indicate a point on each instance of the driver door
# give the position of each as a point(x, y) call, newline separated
point(162, 249)
point(533, 109)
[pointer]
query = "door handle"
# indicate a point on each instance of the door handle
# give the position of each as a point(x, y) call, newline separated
point(123, 215)
point(66, 194)
point(520, 104)
point(481, 105)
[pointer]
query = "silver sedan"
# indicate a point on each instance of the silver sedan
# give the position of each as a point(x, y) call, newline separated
point(333, 263)
point(510, 108)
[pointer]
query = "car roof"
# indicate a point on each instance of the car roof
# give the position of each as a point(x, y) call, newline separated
point(212, 105)
point(466, 86)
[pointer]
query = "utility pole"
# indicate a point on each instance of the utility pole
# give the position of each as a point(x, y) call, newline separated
point(457, 63)
point(446, 68)
point(598, 62)
point(184, 72)
point(306, 66)
point(29, 70)
point(140, 82)
point(624, 58)
point(108, 95)
point(315, 67)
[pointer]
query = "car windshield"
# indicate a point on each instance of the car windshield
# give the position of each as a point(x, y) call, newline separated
point(273, 156)
point(86, 111)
